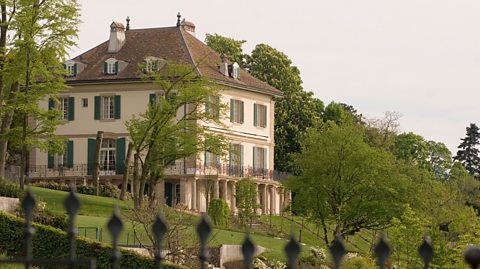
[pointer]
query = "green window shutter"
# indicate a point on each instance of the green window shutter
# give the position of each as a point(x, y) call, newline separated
point(116, 68)
point(51, 103)
point(152, 98)
point(75, 69)
point(118, 102)
point(120, 160)
point(254, 158)
point(217, 110)
point(50, 161)
point(264, 160)
point(241, 160)
point(105, 68)
point(90, 155)
point(96, 114)
point(255, 118)
point(232, 110)
point(71, 108)
point(70, 154)
point(207, 105)
point(64, 66)
point(207, 158)
point(265, 117)
point(241, 111)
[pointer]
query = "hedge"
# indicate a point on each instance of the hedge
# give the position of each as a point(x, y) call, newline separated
point(8, 189)
point(106, 190)
point(218, 211)
point(49, 242)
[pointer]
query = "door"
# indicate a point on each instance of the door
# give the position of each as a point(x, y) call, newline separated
point(168, 193)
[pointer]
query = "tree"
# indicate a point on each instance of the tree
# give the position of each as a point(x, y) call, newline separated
point(31, 70)
point(218, 211)
point(295, 111)
point(382, 132)
point(468, 151)
point(345, 185)
point(160, 137)
point(411, 148)
point(246, 196)
point(228, 46)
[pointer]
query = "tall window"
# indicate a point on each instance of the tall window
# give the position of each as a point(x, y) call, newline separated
point(236, 111)
point(108, 107)
point(110, 66)
point(259, 160)
point(63, 108)
point(236, 160)
point(260, 115)
point(107, 155)
point(213, 106)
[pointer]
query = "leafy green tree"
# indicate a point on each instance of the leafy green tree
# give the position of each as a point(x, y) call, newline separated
point(218, 211)
point(34, 38)
point(411, 148)
point(296, 111)
point(228, 46)
point(246, 197)
point(346, 185)
point(440, 159)
point(468, 151)
point(159, 136)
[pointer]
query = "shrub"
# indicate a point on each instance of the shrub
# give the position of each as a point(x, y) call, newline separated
point(8, 189)
point(218, 211)
point(106, 190)
point(358, 262)
point(50, 242)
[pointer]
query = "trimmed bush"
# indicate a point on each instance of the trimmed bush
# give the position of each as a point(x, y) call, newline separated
point(8, 189)
point(106, 190)
point(50, 242)
point(218, 211)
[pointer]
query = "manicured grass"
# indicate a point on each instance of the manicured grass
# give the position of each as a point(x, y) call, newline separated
point(90, 205)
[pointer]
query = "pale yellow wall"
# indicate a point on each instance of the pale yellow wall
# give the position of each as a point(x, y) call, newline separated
point(134, 100)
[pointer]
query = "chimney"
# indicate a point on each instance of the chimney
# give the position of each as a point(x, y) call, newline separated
point(188, 26)
point(117, 37)
point(224, 65)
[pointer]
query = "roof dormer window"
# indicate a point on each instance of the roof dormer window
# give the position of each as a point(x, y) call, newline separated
point(110, 66)
point(234, 70)
point(71, 68)
point(153, 64)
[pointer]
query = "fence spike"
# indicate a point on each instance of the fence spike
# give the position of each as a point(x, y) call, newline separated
point(382, 251)
point(248, 249)
point(159, 229)
point(292, 249)
point(472, 256)
point(204, 229)
point(426, 251)
point(72, 205)
point(28, 205)
point(338, 251)
point(115, 227)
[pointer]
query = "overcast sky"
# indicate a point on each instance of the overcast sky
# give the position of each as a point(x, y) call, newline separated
point(420, 58)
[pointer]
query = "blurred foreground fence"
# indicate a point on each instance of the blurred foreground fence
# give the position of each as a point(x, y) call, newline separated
point(204, 229)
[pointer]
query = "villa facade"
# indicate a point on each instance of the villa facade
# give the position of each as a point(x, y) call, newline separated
point(106, 91)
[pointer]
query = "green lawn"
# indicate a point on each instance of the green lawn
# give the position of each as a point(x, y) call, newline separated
point(95, 212)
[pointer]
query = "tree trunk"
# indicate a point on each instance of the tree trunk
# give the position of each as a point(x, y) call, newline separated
point(23, 159)
point(135, 184)
point(126, 174)
point(96, 163)
point(5, 127)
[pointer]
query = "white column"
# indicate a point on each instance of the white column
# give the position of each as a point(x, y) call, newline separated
point(280, 196)
point(272, 200)
point(215, 188)
point(224, 190)
point(233, 202)
point(194, 194)
point(265, 200)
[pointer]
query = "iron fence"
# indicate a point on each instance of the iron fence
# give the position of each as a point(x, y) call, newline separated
point(179, 168)
point(292, 249)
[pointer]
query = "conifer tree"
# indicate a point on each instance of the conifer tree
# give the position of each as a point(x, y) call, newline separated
point(467, 154)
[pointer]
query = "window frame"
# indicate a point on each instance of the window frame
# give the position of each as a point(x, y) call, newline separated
point(103, 108)
point(63, 107)
point(237, 111)
point(260, 115)
point(108, 156)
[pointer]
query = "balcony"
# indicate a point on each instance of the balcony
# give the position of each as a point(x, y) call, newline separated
point(192, 168)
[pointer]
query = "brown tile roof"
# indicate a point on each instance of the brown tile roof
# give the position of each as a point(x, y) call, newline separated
point(170, 43)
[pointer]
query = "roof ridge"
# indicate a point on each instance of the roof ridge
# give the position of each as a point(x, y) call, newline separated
point(189, 53)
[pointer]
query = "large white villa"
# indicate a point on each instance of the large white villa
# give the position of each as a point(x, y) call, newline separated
point(106, 90)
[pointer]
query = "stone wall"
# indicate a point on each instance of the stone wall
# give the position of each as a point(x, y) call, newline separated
point(8, 204)
point(230, 253)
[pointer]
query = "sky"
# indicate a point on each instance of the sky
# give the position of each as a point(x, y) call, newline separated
point(420, 58)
